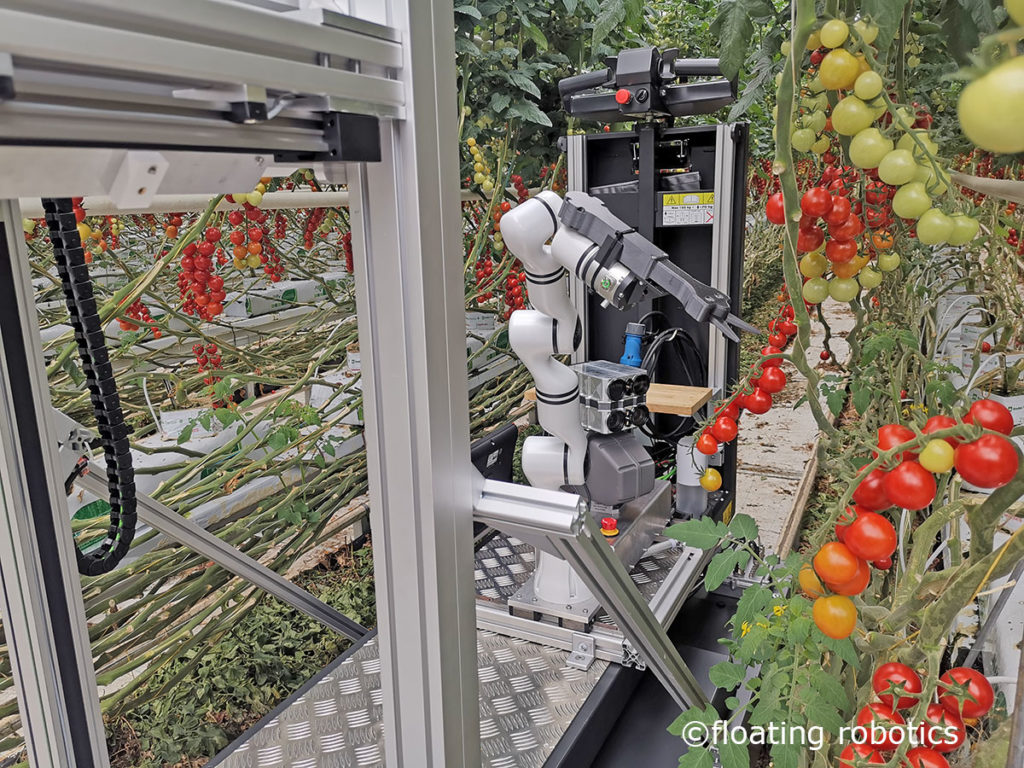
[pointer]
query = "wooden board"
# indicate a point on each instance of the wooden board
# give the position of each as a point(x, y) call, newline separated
point(666, 398)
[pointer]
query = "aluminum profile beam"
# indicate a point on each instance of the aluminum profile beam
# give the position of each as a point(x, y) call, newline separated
point(407, 243)
point(563, 523)
point(44, 619)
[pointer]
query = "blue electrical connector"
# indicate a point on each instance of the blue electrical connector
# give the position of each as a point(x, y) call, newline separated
point(634, 341)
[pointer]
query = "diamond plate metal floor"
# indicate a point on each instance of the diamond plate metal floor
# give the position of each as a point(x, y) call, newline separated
point(528, 695)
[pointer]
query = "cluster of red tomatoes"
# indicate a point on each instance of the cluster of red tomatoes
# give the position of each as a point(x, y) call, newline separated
point(964, 695)
point(346, 249)
point(201, 290)
point(252, 245)
point(139, 312)
point(207, 361)
point(988, 462)
point(521, 192)
point(864, 536)
point(756, 397)
point(313, 222)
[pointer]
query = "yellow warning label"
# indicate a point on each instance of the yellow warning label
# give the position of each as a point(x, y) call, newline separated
point(727, 514)
point(689, 198)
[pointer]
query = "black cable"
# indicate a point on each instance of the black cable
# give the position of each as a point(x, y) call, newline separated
point(99, 376)
point(685, 348)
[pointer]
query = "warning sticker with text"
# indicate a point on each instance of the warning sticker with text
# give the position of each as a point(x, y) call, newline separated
point(680, 209)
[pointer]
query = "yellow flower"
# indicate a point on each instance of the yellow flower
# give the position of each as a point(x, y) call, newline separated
point(744, 628)
point(778, 610)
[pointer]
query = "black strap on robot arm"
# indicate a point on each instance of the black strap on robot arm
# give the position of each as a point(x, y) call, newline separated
point(99, 376)
point(650, 265)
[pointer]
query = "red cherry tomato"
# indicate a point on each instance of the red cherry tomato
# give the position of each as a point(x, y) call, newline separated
point(840, 211)
point(871, 536)
point(835, 563)
point(936, 423)
point(773, 362)
point(896, 679)
point(990, 415)
point(758, 401)
point(886, 719)
point(925, 757)
point(991, 461)
point(724, 429)
point(884, 564)
point(846, 517)
point(840, 251)
point(870, 492)
point(891, 435)
point(810, 239)
point(816, 201)
point(941, 730)
point(910, 486)
point(970, 686)
point(778, 340)
point(788, 327)
point(867, 756)
point(707, 444)
point(772, 380)
point(775, 209)
point(731, 410)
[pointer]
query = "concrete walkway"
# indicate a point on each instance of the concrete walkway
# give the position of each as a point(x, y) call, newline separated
point(777, 462)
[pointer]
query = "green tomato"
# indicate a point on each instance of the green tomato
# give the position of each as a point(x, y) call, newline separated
point(778, 79)
point(934, 227)
point(821, 146)
point(936, 185)
point(897, 167)
point(785, 48)
point(813, 264)
point(868, 148)
point(965, 229)
point(851, 116)
point(843, 289)
point(803, 139)
point(888, 261)
point(911, 200)
point(867, 32)
point(816, 86)
point(991, 109)
point(28, 226)
point(501, 17)
point(868, 86)
point(907, 142)
point(869, 278)
point(936, 456)
point(815, 290)
point(815, 121)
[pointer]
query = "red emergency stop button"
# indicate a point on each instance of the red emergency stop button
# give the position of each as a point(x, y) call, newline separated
point(609, 526)
point(623, 96)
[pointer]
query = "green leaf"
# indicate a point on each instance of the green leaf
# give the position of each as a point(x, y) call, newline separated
point(830, 688)
point(696, 757)
point(186, 434)
point(500, 101)
point(530, 112)
point(734, 755)
point(886, 14)
point(206, 420)
point(707, 715)
point(981, 13)
point(743, 526)
point(524, 83)
point(225, 416)
point(277, 440)
point(735, 31)
point(787, 755)
point(468, 10)
point(727, 674)
point(570, 6)
point(533, 32)
point(613, 13)
point(835, 400)
point(702, 533)
point(720, 568)
point(463, 45)
point(861, 398)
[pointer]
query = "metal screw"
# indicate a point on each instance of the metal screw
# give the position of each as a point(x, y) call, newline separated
point(152, 170)
point(142, 191)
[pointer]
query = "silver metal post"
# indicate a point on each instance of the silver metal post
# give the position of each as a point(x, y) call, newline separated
point(44, 619)
point(408, 249)
point(993, 615)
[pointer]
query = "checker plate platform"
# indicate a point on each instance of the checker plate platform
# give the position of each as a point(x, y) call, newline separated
point(528, 694)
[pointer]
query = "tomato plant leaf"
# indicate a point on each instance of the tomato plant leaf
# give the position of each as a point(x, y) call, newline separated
point(524, 83)
point(735, 30)
point(719, 569)
point(727, 674)
point(185, 435)
point(734, 755)
point(702, 533)
point(886, 14)
point(696, 757)
point(787, 755)
point(530, 112)
point(743, 526)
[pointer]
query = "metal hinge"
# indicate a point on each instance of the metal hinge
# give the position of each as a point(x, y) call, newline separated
point(582, 655)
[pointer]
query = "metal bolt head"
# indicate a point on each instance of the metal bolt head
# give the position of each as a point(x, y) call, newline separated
point(642, 94)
